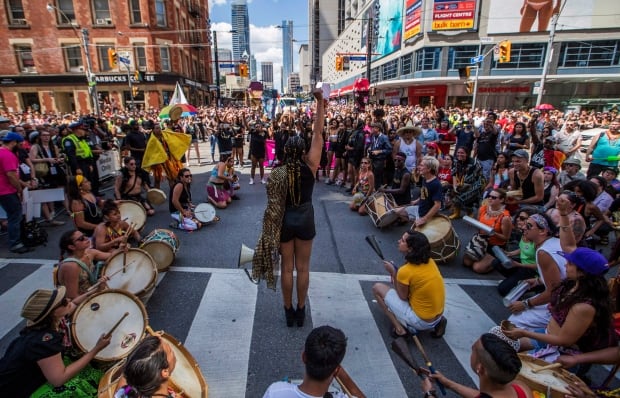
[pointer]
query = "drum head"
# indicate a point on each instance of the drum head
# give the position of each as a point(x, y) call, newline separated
point(204, 212)
point(437, 228)
point(138, 275)
point(109, 382)
point(99, 314)
point(557, 379)
point(133, 213)
point(187, 375)
point(156, 196)
point(162, 253)
point(387, 219)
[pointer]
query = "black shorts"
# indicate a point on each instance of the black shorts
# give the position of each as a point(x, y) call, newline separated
point(298, 223)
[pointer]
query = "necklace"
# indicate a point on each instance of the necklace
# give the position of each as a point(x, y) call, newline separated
point(494, 213)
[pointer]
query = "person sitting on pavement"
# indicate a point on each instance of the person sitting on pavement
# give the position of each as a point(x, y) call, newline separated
point(497, 365)
point(180, 203)
point(217, 193)
point(113, 231)
point(400, 188)
point(416, 299)
point(84, 205)
point(571, 171)
point(479, 252)
point(532, 313)
point(428, 204)
point(364, 187)
point(33, 362)
point(131, 182)
point(324, 350)
point(526, 178)
point(468, 183)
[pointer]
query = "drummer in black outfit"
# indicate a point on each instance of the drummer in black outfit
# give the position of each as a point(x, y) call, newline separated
point(180, 203)
point(401, 181)
point(258, 141)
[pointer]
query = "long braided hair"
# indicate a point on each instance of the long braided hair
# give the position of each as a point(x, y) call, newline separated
point(294, 149)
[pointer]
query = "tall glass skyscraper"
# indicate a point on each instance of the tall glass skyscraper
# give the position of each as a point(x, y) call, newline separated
point(287, 51)
point(240, 22)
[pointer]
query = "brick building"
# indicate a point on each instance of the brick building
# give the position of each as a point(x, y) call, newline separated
point(44, 68)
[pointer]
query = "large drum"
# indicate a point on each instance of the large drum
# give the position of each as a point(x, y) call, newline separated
point(186, 379)
point(99, 314)
point(380, 206)
point(205, 213)
point(162, 245)
point(134, 271)
point(555, 379)
point(133, 213)
point(442, 237)
point(156, 196)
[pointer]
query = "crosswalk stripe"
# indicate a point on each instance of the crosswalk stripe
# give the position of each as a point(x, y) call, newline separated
point(338, 300)
point(221, 333)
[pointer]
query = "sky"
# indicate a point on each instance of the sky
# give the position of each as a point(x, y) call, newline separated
point(265, 38)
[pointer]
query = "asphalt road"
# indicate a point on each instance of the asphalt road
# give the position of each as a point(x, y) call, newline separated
point(236, 331)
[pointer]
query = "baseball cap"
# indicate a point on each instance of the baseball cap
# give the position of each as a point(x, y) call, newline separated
point(80, 124)
point(588, 260)
point(11, 136)
point(521, 153)
point(573, 161)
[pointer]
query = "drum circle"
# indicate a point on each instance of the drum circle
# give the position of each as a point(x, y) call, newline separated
point(133, 213)
point(380, 206)
point(134, 271)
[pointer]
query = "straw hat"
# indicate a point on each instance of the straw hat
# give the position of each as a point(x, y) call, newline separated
point(175, 112)
point(409, 129)
point(41, 303)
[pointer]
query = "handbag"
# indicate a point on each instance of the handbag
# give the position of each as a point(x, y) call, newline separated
point(477, 247)
point(41, 169)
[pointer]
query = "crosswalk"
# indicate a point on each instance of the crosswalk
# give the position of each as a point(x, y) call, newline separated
point(215, 313)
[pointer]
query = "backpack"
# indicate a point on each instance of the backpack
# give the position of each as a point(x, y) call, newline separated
point(32, 234)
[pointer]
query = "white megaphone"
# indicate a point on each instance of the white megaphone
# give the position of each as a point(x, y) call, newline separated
point(245, 255)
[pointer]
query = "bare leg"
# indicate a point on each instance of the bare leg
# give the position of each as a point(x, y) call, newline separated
point(544, 16)
point(380, 290)
point(484, 265)
point(303, 249)
point(261, 167)
point(528, 16)
point(253, 169)
point(287, 250)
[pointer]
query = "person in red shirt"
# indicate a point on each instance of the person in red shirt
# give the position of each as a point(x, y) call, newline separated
point(446, 139)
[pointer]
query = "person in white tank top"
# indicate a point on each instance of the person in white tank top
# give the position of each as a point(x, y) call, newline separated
point(409, 145)
point(532, 313)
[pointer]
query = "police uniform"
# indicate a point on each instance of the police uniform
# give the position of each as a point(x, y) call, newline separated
point(80, 156)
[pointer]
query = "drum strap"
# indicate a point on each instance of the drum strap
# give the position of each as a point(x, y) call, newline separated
point(91, 277)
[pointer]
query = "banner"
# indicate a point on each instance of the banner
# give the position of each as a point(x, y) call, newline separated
point(454, 15)
point(389, 18)
point(512, 16)
point(413, 20)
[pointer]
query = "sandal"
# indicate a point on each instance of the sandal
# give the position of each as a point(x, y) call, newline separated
point(396, 335)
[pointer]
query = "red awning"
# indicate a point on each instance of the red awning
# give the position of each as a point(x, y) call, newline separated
point(341, 91)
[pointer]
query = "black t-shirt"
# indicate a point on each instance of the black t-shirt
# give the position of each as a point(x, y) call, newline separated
point(20, 374)
point(257, 142)
point(224, 139)
point(185, 199)
point(431, 192)
point(137, 140)
point(487, 142)
point(405, 197)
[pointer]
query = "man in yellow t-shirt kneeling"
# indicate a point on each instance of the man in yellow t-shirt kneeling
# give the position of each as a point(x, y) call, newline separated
point(417, 297)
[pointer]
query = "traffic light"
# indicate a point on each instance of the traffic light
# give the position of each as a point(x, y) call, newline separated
point(243, 70)
point(137, 75)
point(339, 63)
point(504, 51)
point(112, 58)
point(135, 90)
point(469, 87)
point(464, 72)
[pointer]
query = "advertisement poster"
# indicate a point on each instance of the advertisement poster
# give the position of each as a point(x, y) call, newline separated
point(454, 14)
point(512, 16)
point(389, 18)
point(413, 19)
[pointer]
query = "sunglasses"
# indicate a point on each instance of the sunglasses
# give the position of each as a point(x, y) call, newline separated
point(493, 197)
point(365, 162)
point(522, 218)
point(187, 176)
point(81, 238)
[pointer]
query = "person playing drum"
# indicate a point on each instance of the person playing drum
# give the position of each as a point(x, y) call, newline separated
point(85, 207)
point(148, 369)
point(114, 231)
point(428, 204)
point(400, 188)
point(364, 187)
point(34, 362)
point(180, 203)
point(79, 271)
point(416, 300)
point(130, 183)
point(497, 365)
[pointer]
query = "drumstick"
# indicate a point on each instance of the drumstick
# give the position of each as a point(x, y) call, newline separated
point(372, 241)
point(400, 348)
point(125, 315)
point(546, 367)
point(428, 363)
point(344, 388)
point(96, 285)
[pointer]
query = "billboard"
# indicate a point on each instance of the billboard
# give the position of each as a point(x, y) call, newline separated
point(512, 16)
point(413, 20)
point(388, 15)
point(454, 15)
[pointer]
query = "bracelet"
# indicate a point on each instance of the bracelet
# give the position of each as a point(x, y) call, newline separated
point(526, 304)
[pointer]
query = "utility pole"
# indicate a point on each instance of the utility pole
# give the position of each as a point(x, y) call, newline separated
point(217, 72)
point(368, 47)
point(92, 84)
point(473, 100)
point(548, 56)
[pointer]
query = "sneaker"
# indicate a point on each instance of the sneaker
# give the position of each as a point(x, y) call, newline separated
point(20, 248)
point(330, 182)
point(263, 181)
point(440, 328)
point(251, 181)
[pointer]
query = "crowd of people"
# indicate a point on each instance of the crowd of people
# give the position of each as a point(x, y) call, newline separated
point(517, 172)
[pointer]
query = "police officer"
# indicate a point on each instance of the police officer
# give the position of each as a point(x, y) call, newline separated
point(79, 155)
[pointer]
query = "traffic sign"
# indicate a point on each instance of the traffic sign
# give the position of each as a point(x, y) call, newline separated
point(124, 60)
point(227, 65)
point(476, 59)
point(357, 58)
point(486, 40)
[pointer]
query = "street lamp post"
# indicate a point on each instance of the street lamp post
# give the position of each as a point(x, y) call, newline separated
point(92, 87)
point(218, 93)
point(368, 47)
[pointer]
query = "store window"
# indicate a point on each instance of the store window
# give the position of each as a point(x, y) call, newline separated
point(406, 64)
point(460, 56)
point(160, 13)
point(588, 54)
point(525, 55)
point(73, 58)
point(390, 70)
point(24, 59)
point(164, 55)
point(134, 11)
point(427, 58)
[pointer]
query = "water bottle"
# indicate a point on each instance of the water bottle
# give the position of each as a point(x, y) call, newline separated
point(502, 257)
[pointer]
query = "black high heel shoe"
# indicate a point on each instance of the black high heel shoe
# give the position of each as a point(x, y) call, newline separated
point(300, 316)
point(290, 315)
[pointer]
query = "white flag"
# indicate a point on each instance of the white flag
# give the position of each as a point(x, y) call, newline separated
point(178, 97)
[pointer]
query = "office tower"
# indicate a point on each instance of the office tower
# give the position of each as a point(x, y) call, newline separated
point(267, 73)
point(253, 74)
point(287, 50)
point(326, 21)
point(240, 22)
point(293, 83)
point(224, 56)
